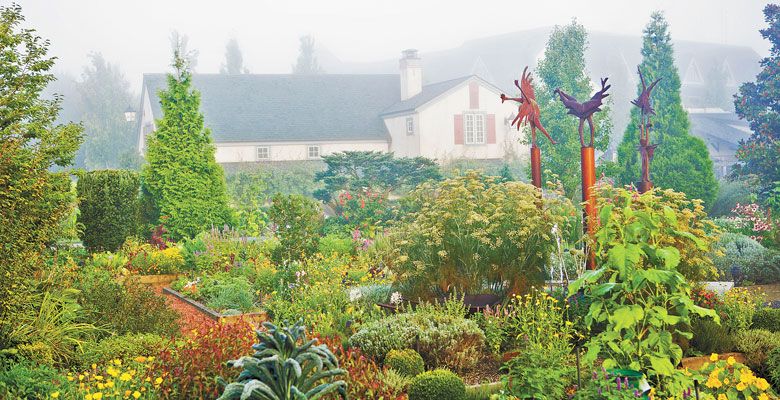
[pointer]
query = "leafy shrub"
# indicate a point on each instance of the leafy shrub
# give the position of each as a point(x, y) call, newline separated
point(763, 269)
point(361, 212)
point(286, 363)
point(297, 220)
point(406, 362)
point(221, 250)
point(331, 244)
point(115, 379)
point(437, 384)
point(128, 307)
point(442, 339)
point(773, 367)
point(30, 381)
point(730, 193)
point(767, 318)
point(108, 207)
point(737, 250)
point(123, 347)
point(710, 337)
point(756, 344)
point(460, 229)
point(191, 365)
point(538, 373)
point(237, 296)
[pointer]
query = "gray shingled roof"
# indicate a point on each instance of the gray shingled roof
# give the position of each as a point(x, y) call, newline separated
point(266, 108)
point(721, 131)
point(428, 93)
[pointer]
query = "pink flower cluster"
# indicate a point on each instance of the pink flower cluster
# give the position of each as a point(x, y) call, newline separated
point(751, 216)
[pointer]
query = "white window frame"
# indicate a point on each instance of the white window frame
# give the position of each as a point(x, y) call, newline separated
point(474, 128)
point(313, 155)
point(410, 126)
point(266, 149)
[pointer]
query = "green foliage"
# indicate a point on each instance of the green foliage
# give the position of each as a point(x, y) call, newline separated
point(711, 337)
point(307, 60)
point(764, 268)
point(184, 183)
point(246, 191)
point(460, 229)
point(637, 290)
point(735, 249)
point(534, 373)
point(286, 366)
point(757, 344)
point(55, 324)
point(128, 307)
point(334, 244)
point(374, 171)
point(406, 362)
point(108, 208)
point(757, 102)
point(33, 200)
point(437, 384)
point(220, 250)
point(37, 353)
point(109, 139)
point(146, 259)
point(773, 365)
point(739, 305)
point(681, 162)
point(26, 381)
point(221, 291)
point(563, 67)
point(298, 221)
point(730, 193)
point(767, 318)
point(443, 338)
point(123, 347)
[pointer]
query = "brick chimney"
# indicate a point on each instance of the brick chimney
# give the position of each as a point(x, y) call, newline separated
point(411, 74)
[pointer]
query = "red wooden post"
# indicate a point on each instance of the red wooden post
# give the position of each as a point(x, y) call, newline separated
point(590, 214)
point(536, 166)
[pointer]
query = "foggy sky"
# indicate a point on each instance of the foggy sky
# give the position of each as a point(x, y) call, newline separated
point(134, 33)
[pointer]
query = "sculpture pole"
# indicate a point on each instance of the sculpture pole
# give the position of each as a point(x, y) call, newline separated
point(646, 149)
point(528, 113)
point(584, 111)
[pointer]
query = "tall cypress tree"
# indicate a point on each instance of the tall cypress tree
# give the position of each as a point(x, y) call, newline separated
point(563, 67)
point(181, 177)
point(759, 103)
point(681, 161)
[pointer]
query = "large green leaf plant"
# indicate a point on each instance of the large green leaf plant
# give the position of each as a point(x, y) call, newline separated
point(637, 291)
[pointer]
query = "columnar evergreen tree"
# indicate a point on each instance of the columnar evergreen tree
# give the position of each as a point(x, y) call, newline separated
point(105, 95)
point(234, 59)
point(181, 178)
point(307, 61)
point(33, 200)
point(563, 66)
point(681, 161)
point(759, 103)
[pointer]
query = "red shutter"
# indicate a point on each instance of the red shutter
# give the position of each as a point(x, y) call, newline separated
point(458, 128)
point(491, 128)
point(473, 95)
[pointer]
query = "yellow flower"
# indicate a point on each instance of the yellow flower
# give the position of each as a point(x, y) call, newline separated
point(140, 359)
point(722, 397)
point(112, 371)
point(110, 384)
point(101, 386)
point(136, 394)
point(81, 377)
point(714, 357)
point(741, 386)
point(158, 381)
point(150, 359)
point(88, 397)
point(117, 361)
point(125, 377)
point(127, 393)
point(763, 396)
point(97, 396)
point(99, 377)
point(70, 379)
point(746, 376)
point(731, 360)
point(762, 384)
point(94, 366)
point(55, 395)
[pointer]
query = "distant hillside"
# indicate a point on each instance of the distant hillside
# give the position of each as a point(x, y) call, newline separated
point(500, 59)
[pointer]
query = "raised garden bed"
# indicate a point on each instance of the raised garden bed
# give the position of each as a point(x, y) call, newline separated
point(697, 362)
point(254, 317)
point(161, 279)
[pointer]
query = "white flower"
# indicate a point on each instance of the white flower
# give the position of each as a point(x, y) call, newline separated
point(396, 298)
point(355, 294)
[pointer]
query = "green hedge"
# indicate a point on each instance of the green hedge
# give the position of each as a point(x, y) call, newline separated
point(437, 385)
point(108, 205)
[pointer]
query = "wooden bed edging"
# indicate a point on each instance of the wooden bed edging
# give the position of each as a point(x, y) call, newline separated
point(209, 312)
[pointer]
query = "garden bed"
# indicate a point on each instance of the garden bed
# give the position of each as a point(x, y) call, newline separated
point(254, 317)
point(160, 279)
point(696, 363)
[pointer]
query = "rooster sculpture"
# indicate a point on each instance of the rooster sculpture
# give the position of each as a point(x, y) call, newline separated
point(528, 111)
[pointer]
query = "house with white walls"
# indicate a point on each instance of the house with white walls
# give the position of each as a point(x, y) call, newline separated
point(262, 118)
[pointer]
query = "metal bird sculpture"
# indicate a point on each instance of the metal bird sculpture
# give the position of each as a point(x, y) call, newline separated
point(646, 150)
point(584, 111)
point(528, 111)
point(643, 101)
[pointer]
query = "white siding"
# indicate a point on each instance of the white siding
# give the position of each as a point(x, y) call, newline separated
point(281, 151)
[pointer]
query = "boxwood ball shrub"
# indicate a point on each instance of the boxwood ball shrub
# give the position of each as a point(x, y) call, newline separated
point(460, 230)
point(108, 207)
point(767, 318)
point(437, 385)
point(406, 362)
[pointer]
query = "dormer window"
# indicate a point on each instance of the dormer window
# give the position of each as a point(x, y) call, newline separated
point(313, 152)
point(409, 126)
point(474, 128)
